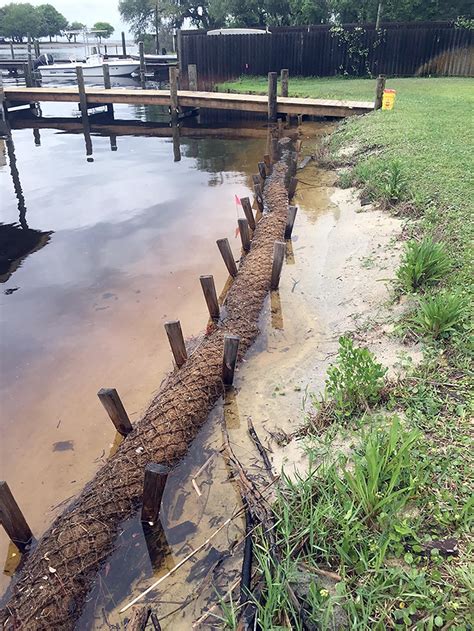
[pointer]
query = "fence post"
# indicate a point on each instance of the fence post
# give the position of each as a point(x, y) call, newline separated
point(284, 82)
point(124, 46)
point(272, 97)
point(12, 519)
point(113, 405)
point(154, 484)
point(192, 77)
point(142, 63)
point(231, 347)
point(379, 88)
point(210, 294)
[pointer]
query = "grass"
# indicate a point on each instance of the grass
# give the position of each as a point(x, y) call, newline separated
point(408, 481)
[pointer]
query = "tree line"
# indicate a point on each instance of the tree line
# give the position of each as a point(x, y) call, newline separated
point(19, 19)
point(152, 15)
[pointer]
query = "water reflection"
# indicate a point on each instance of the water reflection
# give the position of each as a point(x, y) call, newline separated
point(16, 243)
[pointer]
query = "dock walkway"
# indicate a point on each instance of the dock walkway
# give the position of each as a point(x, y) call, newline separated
point(211, 100)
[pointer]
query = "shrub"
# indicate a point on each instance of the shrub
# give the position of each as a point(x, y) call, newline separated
point(424, 263)
point(355, 381)
point(438, 316)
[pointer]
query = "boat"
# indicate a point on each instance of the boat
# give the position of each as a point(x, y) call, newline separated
point(159, 60)
point(92, 67)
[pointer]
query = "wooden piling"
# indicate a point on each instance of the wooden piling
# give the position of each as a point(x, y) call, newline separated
point(124, 46)
point(176, 340)
point(114, 407)
point(210, 294)
point(174, 105)
point(262, 170)
point(83, 106)
point(12, 519)
point(258, 196)
point(141, 52)
point(278, 257)
point(247, 208)
point(226, 252)
point(244, 234)
point(107, 86)
point(231, 348)
point(37, 48)
point(290, 221)
point(284, 82)
point(12, 50)
point(292, 188)
point(192, 77)
point(379, 88)
point(268, 163)
point(272, 97)
point(300, 120)
point(154, 484)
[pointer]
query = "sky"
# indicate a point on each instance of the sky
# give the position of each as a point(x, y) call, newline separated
point(87, 11)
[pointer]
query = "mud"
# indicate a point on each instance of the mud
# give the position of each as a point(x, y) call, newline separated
point(58, 573)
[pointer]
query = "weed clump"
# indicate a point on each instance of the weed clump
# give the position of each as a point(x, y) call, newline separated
point(355, 381)
point(438, 317)
point(424, 263)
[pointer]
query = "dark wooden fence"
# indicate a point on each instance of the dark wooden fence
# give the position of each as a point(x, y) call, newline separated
point(397, 49)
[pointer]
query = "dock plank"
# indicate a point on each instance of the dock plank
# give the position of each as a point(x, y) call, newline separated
point(211, 100)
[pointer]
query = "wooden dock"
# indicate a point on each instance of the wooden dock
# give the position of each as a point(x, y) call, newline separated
point(212, 100)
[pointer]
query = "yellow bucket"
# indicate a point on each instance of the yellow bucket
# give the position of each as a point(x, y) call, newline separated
point(388, 100)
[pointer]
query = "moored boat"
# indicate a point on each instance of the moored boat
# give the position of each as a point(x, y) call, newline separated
point(92, 67)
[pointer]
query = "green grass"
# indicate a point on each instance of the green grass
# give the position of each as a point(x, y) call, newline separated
point(368, 518)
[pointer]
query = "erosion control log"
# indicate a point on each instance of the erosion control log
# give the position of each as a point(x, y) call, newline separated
point(79, 541)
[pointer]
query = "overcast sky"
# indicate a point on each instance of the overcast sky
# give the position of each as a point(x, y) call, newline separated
point(87, 11)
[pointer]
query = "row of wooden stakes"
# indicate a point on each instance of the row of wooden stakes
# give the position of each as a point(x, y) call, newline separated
point(11, 516)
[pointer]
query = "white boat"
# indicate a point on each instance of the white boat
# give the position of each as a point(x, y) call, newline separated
point(92, 67)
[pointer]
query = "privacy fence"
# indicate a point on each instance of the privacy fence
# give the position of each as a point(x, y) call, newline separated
point(396, 49)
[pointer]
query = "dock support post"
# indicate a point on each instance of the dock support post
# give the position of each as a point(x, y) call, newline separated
point(247, 208)
point(231, 348)
point(154, 484)
point(124, 46)
point(114, 407)
point(292, 188)
point(107, 86)
point(12, 50)
point(278, 256)
point(30, 62)
point(192, 77)
point(142, 64)
point(12, 519)
point(244, 234)
point(272, 97)
point(210, 295)
point(37, 48)
point(379, 88)
point(174, 105)
point(226, 252)
point(284, 82)
point(84, 113)
point(290, 221)
point(176, 340)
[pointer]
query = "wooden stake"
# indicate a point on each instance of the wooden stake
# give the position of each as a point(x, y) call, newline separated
point(37, 48)
point(141, 52)
point(226, 252)
point(259, 196)
point(292, 188)
point(12, 519)
point(210, 294)
point(176, 340)
point(278, 256)
point(262, 170)
point(124, 47)
point(268, 164)
point(12, 50)
point(379, 88)
point(300, 120)
point(153, 488)
point(247, 208)
point(83, 105)
point(192, 77)
point(272, 97)
point(290, 221)
point(174, 105)
point(114, 407)
point(284, 82)
point(231, 347)
point(107, 85)
point(244, 233)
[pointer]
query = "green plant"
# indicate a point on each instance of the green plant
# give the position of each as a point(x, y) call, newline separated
point(393, 183)
point(354, 382)
point(424, 263)
point(438, 316)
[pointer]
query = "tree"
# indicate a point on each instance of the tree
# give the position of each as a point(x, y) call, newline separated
point(51, 21)
point(399, 10)
point(74, 26)
point(19, 19)
point(105, 28)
